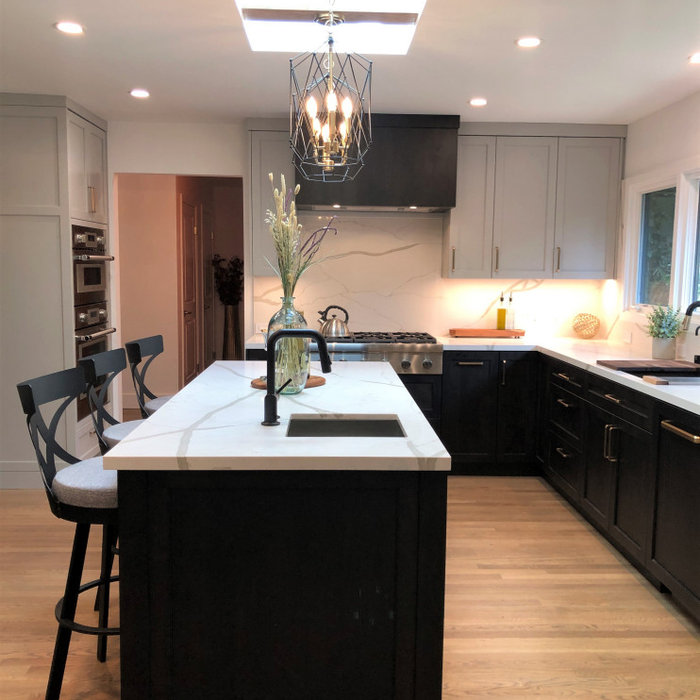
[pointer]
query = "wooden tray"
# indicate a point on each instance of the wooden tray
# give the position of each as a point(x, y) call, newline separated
point(311, 382)
point(485, 333)
point(650, 365)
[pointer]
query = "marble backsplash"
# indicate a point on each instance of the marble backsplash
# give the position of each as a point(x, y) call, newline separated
point(385, 269)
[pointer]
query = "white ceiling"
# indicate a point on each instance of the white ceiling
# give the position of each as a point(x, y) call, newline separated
point(604, 61)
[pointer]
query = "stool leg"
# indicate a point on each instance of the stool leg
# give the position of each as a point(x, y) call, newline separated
point(70, 602)
point(109, 538)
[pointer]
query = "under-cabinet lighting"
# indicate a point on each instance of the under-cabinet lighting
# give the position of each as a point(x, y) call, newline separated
point(140, 93)
point(69, 27)
point(528, 42)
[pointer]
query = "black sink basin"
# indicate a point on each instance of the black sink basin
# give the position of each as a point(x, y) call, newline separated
point(312, 425)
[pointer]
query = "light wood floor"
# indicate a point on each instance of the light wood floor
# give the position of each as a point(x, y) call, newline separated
point(537, 605)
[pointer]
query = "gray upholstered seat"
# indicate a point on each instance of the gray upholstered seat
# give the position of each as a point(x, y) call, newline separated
point(86, 484)
point(116, 433)
point(154, 404)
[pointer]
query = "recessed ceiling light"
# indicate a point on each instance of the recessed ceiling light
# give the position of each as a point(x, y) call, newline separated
point(413, 206)
point(140, 93)
point(69, 27)
point(695, 58)
point(478, 102)
point(528, 42)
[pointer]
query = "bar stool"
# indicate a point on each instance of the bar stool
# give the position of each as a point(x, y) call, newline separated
point(100, 371)
point(82, 493)
point(145, 350)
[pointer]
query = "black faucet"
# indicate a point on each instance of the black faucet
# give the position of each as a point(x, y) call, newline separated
point(271, 396)
point(689, 315)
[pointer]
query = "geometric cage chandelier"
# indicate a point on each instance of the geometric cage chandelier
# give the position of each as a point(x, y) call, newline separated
point(330, 111)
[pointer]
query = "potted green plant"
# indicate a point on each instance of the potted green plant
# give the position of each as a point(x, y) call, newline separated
point(228, 279)
point(664, 325)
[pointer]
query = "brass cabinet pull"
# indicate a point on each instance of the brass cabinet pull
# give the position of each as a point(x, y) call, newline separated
point(612, 398)
point(470, 364)
point(503, 372)
point(563, 403)
point(564, 454)
point(565, 377)
point(497, 259)
point(558, 259)
point(607, 442)
point(667, 425)
point(453, 258)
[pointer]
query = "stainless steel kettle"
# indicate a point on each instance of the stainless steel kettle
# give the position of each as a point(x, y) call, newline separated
point(333, 327)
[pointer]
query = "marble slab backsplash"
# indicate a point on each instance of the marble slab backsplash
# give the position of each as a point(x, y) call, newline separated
point(385, 269)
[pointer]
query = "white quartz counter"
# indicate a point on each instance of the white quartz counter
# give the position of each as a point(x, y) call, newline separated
point(215, 423)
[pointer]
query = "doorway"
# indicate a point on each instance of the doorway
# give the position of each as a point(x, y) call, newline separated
point(169, 227)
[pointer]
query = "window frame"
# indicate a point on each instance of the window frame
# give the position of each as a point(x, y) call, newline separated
point(685, 177)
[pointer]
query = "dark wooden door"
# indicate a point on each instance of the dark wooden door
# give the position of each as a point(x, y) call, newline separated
point(189, 278)
point(470, 405)
point(599, 466)
point(517, 406)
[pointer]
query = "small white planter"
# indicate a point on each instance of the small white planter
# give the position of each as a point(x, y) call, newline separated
point(663, 348)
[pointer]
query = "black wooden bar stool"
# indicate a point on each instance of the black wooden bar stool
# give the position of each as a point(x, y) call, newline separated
point(145, 350)
point(81, 492)
point(101, 370)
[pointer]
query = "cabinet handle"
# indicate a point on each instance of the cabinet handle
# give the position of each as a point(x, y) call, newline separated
point(558, 259)
point(667, 425)
point(564, 454)
point(470, 364)
point(91, 197)
point(566, 378)
point(563, 403)
point(607, 442)
point(504, 365)
point(497, 259)
point(453, 259)
point(612, 398)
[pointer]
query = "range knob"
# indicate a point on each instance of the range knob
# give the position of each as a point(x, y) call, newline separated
point(79, 238)
point(405, 363)
point(427, 363)
point(82, 317)
point(102, 314)
point(99, 240)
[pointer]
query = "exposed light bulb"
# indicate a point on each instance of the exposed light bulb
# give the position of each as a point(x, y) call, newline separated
point(316, 126)
point(312, 107)
point(332, 101)
point(343, 130)
point(325, 133)
point(346, 107)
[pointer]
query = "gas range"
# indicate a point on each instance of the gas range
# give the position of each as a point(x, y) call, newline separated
point(407, 352)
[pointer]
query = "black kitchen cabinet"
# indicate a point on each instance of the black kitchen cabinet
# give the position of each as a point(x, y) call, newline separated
point(489, 411)
point(675, 543)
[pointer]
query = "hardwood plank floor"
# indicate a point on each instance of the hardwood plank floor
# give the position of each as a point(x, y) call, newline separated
point(538, 605)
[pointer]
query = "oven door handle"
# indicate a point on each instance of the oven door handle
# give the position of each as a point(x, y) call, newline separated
point(94, 336)
point(93, 258)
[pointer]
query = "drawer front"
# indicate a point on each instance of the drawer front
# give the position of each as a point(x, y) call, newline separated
point(622, 402)
point(567, 376)
point(566, 412)
point(565, 465)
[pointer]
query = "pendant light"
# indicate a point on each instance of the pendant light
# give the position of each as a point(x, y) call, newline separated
point(330, 112)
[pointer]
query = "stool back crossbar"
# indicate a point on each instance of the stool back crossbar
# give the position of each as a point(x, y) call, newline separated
point(141, 353)
point(70, 491)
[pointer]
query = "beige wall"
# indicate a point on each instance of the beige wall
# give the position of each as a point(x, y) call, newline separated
point(147, 215)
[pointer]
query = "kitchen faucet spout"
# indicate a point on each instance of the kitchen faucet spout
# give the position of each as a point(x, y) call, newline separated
point(270, 417)
point(689, 314)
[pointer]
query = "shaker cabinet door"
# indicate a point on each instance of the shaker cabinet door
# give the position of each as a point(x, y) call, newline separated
point(87, 170)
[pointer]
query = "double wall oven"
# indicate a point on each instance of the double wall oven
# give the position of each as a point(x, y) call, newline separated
point(90, 284)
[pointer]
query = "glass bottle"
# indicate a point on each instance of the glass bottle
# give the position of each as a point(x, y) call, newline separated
point(291, 354)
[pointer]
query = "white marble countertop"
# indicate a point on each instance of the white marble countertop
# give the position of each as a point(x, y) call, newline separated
point(215, 423)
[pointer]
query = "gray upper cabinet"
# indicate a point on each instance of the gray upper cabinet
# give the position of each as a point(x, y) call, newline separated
point(588, 184)
point(269, 153)
point(534, 206)
point(524, 199)
point(87, 170)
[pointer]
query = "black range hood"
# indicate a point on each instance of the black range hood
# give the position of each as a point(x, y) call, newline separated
point(411, 164)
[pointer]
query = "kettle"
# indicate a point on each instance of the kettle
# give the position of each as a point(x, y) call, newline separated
point(333, 327)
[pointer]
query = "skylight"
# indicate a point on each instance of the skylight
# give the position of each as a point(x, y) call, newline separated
point(369, 26)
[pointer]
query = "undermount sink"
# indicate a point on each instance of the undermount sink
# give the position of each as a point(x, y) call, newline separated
point(344, 425)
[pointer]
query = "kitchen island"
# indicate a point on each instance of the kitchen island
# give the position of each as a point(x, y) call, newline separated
point(258, 565)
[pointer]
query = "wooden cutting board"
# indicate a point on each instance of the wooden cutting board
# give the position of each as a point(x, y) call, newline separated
point(485, 333)
point(650, 365)
point(311, 382)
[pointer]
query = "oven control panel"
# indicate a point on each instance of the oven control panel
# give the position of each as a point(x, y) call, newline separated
point(90, 314)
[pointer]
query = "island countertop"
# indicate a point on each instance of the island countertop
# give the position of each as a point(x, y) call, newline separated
point(214, 423)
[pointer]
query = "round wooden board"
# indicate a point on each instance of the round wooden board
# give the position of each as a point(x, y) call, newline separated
point(311, 382)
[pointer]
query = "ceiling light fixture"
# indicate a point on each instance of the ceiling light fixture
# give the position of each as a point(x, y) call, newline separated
point(330, 112)
point(695, 58)
point(478, 102)
point(528, 42)
point(69, 27)
point(140, 93)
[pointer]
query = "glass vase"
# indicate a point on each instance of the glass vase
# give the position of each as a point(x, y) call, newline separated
point(291, 354)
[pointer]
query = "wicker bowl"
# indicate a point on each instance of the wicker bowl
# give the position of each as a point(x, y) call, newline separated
point(586, 325)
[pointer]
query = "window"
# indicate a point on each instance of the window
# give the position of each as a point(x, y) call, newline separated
point(662, 237)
